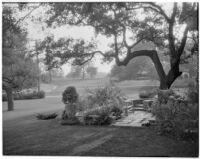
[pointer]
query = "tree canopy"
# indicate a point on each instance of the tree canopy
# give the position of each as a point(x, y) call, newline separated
point(19, 71)
point(129, 23)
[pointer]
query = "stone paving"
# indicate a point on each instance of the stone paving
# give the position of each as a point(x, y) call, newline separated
point(135, 119)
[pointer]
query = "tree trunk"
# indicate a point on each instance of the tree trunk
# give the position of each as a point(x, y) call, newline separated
point(174, 72)
point(163, 85)
point(83, 75)
point(50, 76)
point(165, 80)
point(160, 71)
point(10, 99)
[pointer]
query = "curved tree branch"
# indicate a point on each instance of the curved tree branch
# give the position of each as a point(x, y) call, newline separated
point(124, 36)
point(172, 19)
point(149, 53)
point(171, 34)
point(22, 19)
point(158, 9)
point(183, 41)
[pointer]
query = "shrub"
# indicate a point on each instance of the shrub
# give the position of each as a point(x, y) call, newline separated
point(26, 95)
point(46, 116)
point(70, 95)
point(192, 93)
point(175, 116)
point(106, 96)
point(41, 94)
point(101, 104)
point(98, 117)
point(116, 111)
point(4, 97)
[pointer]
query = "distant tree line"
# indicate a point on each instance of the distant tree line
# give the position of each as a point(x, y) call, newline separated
point(82, 72)
point(140, 67)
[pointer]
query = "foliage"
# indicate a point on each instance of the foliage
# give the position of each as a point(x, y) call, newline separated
point(135, 69)
point(65, 51)
point(92, 71)
point(115, 20)
point(57, 72)
point(98, 117)
point(75, 72)
point(176, 116)
point(193, 94)
point(70, 95)
point(102, 115)
point(46, 116)
point(105, 96)
point(102, 105)
point(19, 70)
point(45, 78)
point(25, 95)
point(116, 112)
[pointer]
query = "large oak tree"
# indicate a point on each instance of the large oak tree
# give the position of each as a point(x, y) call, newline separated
point(143, 21)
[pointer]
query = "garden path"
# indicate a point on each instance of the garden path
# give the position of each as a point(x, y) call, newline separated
point(135, 119)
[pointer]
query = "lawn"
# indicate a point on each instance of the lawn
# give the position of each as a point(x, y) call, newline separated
point(35, 137)
point(23, 134)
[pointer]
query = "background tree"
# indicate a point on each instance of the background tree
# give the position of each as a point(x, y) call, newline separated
point(75, 72)
point(115, 20)
point(92, 71)
point(135, 69)
point(18, 68)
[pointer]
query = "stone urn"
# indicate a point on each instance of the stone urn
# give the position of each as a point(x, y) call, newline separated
point(70, 99)
point(70, 111)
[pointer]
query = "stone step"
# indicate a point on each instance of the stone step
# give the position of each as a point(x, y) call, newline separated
point(139, 105)
point(139, 108)
point(130, 107)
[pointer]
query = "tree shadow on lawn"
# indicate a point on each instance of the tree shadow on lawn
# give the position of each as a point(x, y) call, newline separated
point(50, 138)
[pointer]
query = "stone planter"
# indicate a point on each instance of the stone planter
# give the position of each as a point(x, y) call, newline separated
point(70, 111)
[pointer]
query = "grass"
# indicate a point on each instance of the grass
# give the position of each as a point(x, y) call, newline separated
point(37, 137)
point(23, 134)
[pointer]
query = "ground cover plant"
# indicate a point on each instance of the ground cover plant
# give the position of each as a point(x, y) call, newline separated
point(25, 95)
point(46, 116)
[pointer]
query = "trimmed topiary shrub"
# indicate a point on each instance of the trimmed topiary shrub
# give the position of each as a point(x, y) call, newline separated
point(70, 99)
point(70, 95)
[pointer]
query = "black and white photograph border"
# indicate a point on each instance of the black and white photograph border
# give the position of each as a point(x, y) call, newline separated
point(100, 79)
